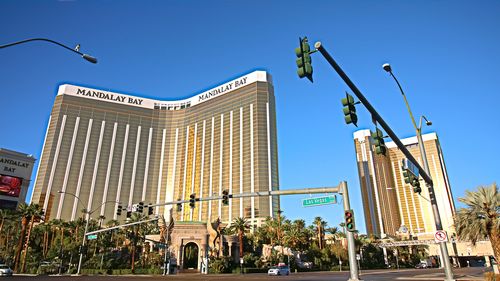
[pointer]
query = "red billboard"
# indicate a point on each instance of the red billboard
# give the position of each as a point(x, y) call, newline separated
point(10, 186)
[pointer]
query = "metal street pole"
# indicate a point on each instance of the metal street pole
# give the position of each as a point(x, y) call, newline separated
point(351, 249)
point(393, 136)
point(87, 57)
point(87, 216)
point(432, 196)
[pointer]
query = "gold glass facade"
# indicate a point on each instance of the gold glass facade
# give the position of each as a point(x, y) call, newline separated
point(103, 146)
point(390, 205)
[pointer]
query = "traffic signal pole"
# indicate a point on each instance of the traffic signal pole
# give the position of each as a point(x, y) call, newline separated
point(351, 248)
point(424, 173)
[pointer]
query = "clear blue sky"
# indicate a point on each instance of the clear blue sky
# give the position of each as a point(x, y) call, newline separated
point(445, 54)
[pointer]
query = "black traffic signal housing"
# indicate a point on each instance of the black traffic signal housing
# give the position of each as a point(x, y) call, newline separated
point(378, 140)
point(349, 220)
point(179, 206)
point(192, 200)
point(412, 180)
point(416, 186)
point(140, 207)
point(119, 210)
point(150, 209)
point(225, 197)
point(349, 109)
point(303, 61)
point(129, 214)
point(407, 176)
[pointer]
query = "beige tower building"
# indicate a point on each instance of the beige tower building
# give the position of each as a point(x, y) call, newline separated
point(104, 147)
point(390, 205)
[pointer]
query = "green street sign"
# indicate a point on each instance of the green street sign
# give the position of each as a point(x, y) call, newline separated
point(311, 202)
point(92, 237)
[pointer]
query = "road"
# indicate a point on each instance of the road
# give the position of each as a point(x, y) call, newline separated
point(471, 273)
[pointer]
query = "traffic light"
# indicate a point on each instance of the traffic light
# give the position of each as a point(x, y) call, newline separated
point(129, 214)
point(225, 197)
point(192, 200)
point(303, 53)
point(416, 186)
point(179, 206)
point(349, 220)
point(349, 110)
point(407, 176)
point(140, 207)
point(150, 209)
point(411, 179)
point(378, 139)
point(119, 210)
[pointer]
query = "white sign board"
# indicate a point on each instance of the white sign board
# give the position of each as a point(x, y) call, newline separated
point(440, 236)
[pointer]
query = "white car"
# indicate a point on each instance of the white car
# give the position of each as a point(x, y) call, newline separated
point(279, 270)
point(5, 270)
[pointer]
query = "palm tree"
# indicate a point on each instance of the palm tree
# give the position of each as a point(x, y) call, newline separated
point(320, 226)
point(481, 218)
point(138, 231)
point(334, 231)
point(35, 212)
point(3, 215)
point(296, 237)
point(267, 232)
point(239, 225)
point(24, 212)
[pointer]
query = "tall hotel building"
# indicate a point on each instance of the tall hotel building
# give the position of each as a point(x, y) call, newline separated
point(390, 205)
point(109, 147)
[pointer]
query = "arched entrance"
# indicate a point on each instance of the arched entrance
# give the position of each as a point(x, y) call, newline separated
point(191, 253)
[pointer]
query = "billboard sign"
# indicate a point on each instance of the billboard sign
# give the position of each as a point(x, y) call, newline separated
point(10, 186)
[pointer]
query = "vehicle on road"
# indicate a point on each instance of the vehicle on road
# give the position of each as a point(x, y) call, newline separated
point(422, 265)
point(279, 270)
point(5, 270)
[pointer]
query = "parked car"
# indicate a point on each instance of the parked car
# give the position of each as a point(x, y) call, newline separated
point(279, 270)
point(422, 265)
point(5, 270)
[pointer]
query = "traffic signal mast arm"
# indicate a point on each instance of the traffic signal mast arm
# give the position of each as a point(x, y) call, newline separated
point(373, 112)
point(335, 189)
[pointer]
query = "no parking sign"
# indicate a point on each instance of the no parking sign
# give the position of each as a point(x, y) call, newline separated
point(440, 236)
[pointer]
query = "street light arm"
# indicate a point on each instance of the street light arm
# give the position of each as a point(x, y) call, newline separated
point(406, 101)
point(427, 122)
point(103, 203)
point(79, 200)
point(85, 56)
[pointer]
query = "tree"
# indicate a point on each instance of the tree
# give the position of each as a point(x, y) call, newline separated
point(320, 227)
point(267, 232)
point(239, 225)
point(481, 217)
point(297, 236)
point(24, 212)
point(35, 213)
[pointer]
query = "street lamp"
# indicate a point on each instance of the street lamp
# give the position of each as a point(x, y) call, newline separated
point(87, 219)
point(437, 218)
point(75, 50)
